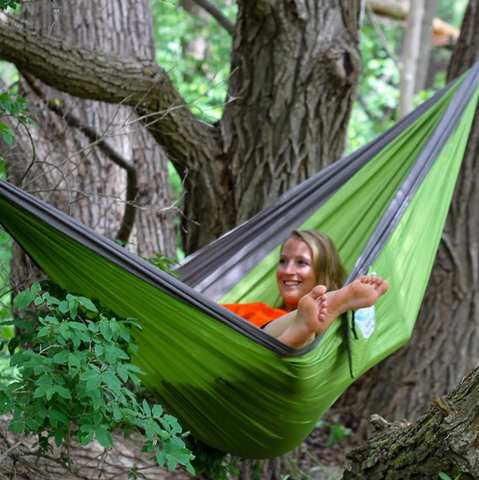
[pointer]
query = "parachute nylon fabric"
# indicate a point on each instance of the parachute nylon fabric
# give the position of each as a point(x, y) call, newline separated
point(353, 213)
point(218, 267)
point(232, 392)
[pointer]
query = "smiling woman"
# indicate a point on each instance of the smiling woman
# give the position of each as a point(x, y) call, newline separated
point(308, 258)
point(309, 266)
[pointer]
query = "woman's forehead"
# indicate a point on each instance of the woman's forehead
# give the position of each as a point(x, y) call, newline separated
point(295, 247)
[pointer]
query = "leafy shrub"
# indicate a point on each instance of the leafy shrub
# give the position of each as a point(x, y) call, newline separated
point(74, 362)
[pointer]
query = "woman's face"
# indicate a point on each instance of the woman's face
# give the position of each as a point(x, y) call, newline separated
point(295, 273)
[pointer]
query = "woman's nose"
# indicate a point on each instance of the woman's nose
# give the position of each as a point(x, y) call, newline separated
point(289, 268)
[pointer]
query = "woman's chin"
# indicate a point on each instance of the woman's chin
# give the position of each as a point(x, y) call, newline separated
point(291, 303)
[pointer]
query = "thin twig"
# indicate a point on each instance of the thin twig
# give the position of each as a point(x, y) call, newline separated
point(216, 13)
point(128, 220)
point(13, 447)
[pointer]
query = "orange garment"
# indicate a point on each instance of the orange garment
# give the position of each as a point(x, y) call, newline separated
point(257, 313)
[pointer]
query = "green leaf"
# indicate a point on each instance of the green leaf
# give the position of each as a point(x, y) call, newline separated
point(31, 424)
point(51, 300)
point(58, 439)
point(61, 357)
point(93, 327)
point(64, 331)
point(87, 439)
point(63, 392)
point(88, 304)
point(22, 300)
point(123, 373)
point(149, 430)
point(99, 350)
point(444, 476)
point(57, 418)
point(171, 463)
point(7, 137)
point(44, 380)
point(111, 355)
point(43, 332)
point(38, 301)
point(78, 326)
point(105, 330)
point(7, 407)
point(93, 384)
point(41, 391)
point(103, 436)
point(160, 457)
point(88, 375)
point(41, 413)
point(73, 361)
point(50, 392)
point(63, 307)
point(52, 320)
point(111, 381)
point(16, 425)
point(157, 410)
point(146, 408)
point(73, 306)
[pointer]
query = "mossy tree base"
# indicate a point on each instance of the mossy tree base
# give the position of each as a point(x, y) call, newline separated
point(444, 439)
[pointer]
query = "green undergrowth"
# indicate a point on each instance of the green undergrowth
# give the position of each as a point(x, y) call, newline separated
point(74, 379)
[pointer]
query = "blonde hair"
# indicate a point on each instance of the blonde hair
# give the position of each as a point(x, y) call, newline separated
point(326, 260)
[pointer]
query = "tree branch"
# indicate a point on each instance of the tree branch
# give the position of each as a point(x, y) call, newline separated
point(97, 140)
point(216, 13)
point(141, 84)
point(443, 439)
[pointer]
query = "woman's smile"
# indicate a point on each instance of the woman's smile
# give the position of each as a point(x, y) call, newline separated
point(295, 273)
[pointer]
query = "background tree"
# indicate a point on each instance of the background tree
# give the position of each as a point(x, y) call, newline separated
point(91, 159)
point(289, 98)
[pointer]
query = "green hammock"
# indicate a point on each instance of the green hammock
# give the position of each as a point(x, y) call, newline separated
point(231, 384)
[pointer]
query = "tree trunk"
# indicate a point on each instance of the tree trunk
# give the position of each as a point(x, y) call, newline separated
point(82, 179)
point(295, 66)
point(444, 440)
point(410, 57)
point(294, 70)
point(445, 342)
point(425, 43)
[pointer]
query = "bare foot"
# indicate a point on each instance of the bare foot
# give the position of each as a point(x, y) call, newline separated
point(362, 293)
point(312, 312)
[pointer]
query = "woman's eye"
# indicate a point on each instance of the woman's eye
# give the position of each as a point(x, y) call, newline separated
point(303, 262)
point(282, 261)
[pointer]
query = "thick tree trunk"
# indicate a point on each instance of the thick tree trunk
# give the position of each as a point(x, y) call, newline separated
point(295, 66)
point(444, 440)
point(445, 341)
point(82, 179)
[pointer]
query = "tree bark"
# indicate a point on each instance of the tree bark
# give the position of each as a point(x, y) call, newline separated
point(444, 439)
point(295, 66)
point(294, 70)
point(94, 188)
point(445, 342)
point(425, 43)
point(410, 57)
